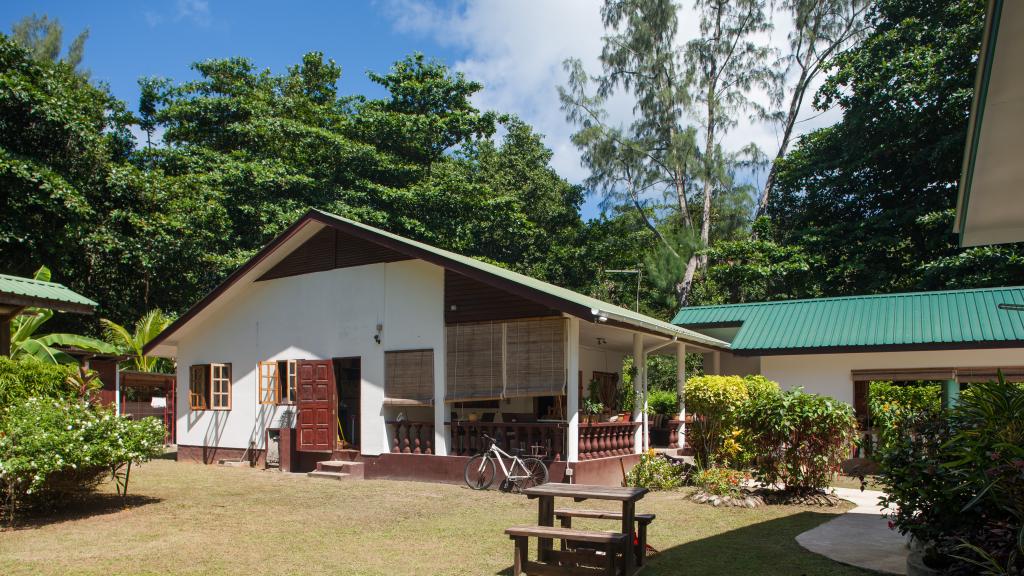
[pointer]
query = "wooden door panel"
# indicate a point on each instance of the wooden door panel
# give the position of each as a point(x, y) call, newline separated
point(317, 406)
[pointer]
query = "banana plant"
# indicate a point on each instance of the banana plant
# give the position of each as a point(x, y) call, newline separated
point(24, 341)
point(131, 343)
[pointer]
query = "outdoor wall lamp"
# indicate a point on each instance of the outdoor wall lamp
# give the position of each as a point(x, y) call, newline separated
point(376, 337)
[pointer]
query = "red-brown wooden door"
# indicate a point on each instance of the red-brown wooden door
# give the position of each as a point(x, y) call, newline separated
point(318, 421)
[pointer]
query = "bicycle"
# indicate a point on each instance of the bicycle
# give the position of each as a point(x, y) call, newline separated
point(523, 472)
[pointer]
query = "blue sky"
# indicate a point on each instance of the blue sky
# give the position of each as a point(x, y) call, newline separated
point(130, 39)
point(514, 47)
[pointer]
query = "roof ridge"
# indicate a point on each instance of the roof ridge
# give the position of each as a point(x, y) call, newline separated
point(30, 280)
point(852, 297)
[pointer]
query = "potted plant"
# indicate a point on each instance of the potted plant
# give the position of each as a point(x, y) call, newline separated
point(592, 409)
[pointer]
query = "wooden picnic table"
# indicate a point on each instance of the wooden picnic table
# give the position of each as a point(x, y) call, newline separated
point(546, 494)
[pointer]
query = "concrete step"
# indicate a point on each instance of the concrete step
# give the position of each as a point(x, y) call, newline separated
point(353, 469)
point(329, 475)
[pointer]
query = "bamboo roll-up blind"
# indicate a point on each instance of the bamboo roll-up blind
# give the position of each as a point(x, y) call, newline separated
point(409, 375)
point(535, 357)
point(474, 361)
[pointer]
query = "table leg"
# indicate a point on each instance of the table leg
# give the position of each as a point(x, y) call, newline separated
point(545, 517)
point(628, 511)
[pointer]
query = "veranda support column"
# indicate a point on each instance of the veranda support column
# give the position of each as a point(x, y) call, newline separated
point(441, 432)
point(640, 365)
point(950, 393)
point(681, 390)
point(572, 389)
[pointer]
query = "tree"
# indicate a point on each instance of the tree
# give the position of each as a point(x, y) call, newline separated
point(661, 155)
point(874, 195)
point(44, 38)
point(131, 343)
point(821, 29)
point(726, 64)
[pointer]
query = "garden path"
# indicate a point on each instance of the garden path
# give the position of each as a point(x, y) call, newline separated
point(861, 537)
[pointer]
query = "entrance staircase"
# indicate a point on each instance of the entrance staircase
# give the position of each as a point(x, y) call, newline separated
point(343, 465)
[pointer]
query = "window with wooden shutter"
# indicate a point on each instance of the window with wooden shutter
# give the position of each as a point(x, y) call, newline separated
point(535, 357)
point(269, 386)
point(287, 380)
point(220, 386)
point(198, 389)
point(409, 376)
point(474, 361)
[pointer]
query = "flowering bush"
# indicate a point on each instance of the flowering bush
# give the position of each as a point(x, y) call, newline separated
point(715, 402)
point(797, 439)
point(51, 449)
point(720, 481)
point(654, 472)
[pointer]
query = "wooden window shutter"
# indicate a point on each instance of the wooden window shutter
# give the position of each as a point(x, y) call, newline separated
point(409, 376)
point(535, 357)
point(198, 386)
point(269, 386)
point(220, 386)
point(474, 368)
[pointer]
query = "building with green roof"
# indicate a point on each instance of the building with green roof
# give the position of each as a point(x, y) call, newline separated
point(834, 346)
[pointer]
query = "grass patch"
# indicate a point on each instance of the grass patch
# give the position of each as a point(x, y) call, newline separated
point(191, 519)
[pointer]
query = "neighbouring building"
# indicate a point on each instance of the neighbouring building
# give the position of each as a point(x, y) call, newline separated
point(835, 346)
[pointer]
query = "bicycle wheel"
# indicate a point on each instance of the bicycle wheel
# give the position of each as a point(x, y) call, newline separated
point(536, 474)
point(479, 472)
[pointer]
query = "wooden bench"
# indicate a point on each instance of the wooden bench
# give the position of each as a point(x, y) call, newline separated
point(565, 516)
point(560, 562)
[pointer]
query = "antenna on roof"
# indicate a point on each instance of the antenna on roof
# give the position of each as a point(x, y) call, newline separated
point(1014, 307)
point(639, 275)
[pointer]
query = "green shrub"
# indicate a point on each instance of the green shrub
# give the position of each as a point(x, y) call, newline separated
point(52, 450)
point(797, 439)
point(759, 387)
point(654, 472)
point(893, 407)
point(28, 377)
point(954, 480)
point(663, 402)
point(720, 481)
point(715, 402)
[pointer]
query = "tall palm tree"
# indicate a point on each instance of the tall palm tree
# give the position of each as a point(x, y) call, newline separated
point(131, 343)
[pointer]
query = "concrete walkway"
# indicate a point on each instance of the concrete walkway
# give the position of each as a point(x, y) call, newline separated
point(861, 537)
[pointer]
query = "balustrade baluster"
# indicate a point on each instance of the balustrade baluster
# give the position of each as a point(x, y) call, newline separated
point(417, 429)
point(429, 439)
point(405, 438)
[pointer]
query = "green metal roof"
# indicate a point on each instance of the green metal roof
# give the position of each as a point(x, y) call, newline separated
point(602, 308)
point(919, 320)
point(28, 291)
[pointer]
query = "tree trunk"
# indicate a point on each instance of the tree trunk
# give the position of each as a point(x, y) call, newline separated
point(787, 133)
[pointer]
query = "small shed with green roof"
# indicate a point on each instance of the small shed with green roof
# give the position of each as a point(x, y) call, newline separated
point(18, 293)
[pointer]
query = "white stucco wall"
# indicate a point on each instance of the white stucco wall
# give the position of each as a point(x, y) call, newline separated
point(598, 360)
point(829, 374)
point(332, 314)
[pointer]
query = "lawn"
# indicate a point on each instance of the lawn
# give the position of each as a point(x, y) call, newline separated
point(191, 519)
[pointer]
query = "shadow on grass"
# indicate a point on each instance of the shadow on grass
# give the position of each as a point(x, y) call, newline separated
point(86, 507)
point(766, 548)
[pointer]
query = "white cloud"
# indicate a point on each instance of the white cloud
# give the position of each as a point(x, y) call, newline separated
point(516, 50)
point(198, 11)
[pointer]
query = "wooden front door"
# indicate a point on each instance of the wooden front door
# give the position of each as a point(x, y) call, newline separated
point(318, 420)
